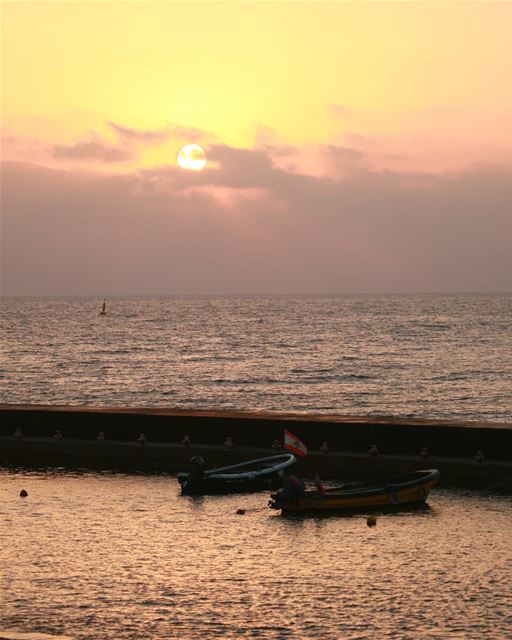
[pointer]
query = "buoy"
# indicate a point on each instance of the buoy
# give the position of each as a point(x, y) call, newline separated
point(23, 493)
point(240, 512)
point(372, 521)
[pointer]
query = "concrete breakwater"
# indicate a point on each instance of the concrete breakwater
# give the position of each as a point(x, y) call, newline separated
point(451, 445)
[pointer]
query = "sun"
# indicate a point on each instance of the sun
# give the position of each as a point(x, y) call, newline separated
point(192, 156)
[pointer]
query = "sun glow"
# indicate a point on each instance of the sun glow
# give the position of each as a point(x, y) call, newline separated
point(193, 157)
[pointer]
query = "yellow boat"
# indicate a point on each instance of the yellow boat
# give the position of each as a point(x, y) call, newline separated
point(408, 489)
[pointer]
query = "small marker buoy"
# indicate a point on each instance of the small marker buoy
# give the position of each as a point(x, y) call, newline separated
point(23, 493)
point(372, 521)
point(240, 512)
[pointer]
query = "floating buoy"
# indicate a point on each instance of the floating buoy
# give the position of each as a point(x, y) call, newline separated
point(240, 512)
point(372, 521)
point(23, 493)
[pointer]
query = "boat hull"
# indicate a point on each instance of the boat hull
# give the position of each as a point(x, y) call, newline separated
point(214, 486)
point(245, 477)
point(412, 491)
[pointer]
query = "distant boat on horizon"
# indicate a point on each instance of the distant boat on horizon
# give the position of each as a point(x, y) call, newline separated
point(103, 311)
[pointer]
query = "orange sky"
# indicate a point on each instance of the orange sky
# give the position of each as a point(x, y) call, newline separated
point(393, 74)
point(380, 130)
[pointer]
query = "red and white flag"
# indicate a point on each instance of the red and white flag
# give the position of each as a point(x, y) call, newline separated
point(293, 444)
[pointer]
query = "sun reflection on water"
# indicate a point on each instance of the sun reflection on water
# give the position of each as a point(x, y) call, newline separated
point(114, 556)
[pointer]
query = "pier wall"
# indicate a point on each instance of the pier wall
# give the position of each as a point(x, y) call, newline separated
point(172, 458)
point(451, 445)
point(343, 433)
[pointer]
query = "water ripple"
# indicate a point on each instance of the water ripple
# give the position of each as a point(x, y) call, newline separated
point(122, 557)
point(421, 356)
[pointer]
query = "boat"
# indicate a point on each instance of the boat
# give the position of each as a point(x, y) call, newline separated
point(407, 489)
point(253, 475)
point(103, 311)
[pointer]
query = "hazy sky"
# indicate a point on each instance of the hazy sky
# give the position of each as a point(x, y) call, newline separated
point(352, 146)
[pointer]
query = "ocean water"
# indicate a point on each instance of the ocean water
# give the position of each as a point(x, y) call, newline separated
point(398, 355)
point(103, 556)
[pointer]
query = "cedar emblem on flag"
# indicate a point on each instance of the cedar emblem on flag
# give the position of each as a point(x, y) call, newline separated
point(293, 444)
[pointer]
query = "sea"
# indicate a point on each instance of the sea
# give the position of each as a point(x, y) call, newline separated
point(91, 555)
point(106, 556)
point(421, 356)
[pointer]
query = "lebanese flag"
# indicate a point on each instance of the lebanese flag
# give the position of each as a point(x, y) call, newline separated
point(293, 444)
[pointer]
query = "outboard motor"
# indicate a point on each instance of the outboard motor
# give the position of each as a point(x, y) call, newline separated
point(293, 489)
point(195, 473)
point(196, 467)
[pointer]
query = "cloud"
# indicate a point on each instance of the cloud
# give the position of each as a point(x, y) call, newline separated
point(280, 150)
point(191, 134)
point(339, 111)
point(126, 134)
point(128, 147)
point(340, 160)
point(247, 226)
point(10, 140)
point(16, 147)
point(241, 167)
point(264, 135)
point(93, 150)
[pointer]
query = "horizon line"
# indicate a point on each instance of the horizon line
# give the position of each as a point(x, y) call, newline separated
point(256, 294)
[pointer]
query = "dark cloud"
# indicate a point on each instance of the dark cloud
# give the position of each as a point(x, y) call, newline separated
point(93, 150)
point(246, 226)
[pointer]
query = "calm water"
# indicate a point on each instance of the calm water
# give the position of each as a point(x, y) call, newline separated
point(429, 356)
point(115, 557)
